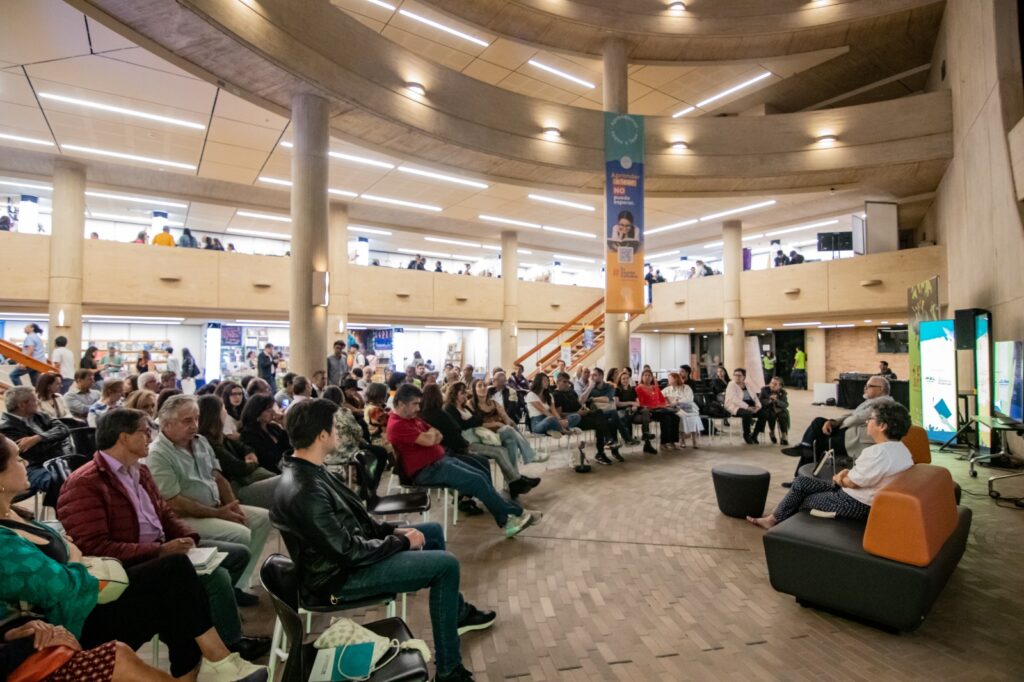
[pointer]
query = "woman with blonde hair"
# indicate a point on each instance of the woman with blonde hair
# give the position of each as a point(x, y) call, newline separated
point(680, 397)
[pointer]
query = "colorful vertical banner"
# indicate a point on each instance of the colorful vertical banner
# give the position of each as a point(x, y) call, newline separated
point(922, 304)
point(624, 212)
point(983, 374)
point(938, 379)
point(565, 354)
point(588, 337)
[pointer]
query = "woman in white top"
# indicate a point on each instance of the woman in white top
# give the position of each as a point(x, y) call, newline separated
point(680, 396)
point(540, 406)
point(113, 392)
point(850, 492)
point(50, 400)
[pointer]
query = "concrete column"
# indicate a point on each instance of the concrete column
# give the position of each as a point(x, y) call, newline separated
point(508, 345)
point(337, 311)
point(307, 319)
point(616, 99)
point(66, 259)
point(732, 266)
point(816, 349)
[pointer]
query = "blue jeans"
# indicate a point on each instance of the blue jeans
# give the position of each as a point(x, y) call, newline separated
point(19, 372)
point(432, 567)
point(39, 481)
point(514, 442)
point(542, 424)
point(449, 472)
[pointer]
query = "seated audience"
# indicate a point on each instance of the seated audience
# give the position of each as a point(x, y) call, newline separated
point(342, 552)
point(377, 412)
point(739, 402)
point(680, 397)
point(357, 374)
point(187, 474)
point(131, 383)
point(111, 507)
point(51, 402)
point(233, 396)
point(543, 415)
point(719, 384)
point(168, 380)
point(496, 419)
point(301, 390)
point(457, 423)
point(318, 382)
point(581, 381)
point(284, 397)
point(602, 398)
point(507, 397)
point(421, 460)
point(848, 435)
point(262, 434)
point(257, 386)
point(570, 405)
point(89, 362)
point(165, 395)
point(649, 395)
point(351, 438)
point(81, 395)
point(632, 412)
point(150, 381)
point(144, 401)
point(37, 436)
point(885, 372)
point(851, 491)
point(774, 410)
point(110, 398)
point(251, 483)
point(43, 571)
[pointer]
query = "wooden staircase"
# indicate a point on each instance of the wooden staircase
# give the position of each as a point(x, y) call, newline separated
point(13, 352)
point(572, 333)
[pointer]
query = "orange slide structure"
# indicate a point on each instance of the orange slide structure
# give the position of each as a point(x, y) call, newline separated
point(12, 352)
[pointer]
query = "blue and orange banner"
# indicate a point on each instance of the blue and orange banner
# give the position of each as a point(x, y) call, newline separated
point(624, 212)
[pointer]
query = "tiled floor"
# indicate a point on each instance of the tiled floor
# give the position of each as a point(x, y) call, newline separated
point(635, 575)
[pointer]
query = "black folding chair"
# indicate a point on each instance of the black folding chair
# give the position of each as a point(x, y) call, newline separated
point(280, 579)
point(369, 469)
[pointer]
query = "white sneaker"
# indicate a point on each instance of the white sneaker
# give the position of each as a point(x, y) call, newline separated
point(541, 457)
point(516, 524)
point(538, 516)
point(231, 669)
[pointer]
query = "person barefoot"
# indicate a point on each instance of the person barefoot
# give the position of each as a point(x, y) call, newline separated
point(764, 522)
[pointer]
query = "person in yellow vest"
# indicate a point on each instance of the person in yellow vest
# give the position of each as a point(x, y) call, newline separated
point(798, 377)
point(164, 238)
point(768, 362)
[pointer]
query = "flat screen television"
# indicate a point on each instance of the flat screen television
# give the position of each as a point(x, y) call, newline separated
point(835, 241)
point(1008, 370)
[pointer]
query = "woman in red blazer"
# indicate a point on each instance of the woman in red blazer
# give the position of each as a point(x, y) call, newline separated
point(649, 395)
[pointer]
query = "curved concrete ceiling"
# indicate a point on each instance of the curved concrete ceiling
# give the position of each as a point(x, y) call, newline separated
point(707, 30)
point(269, 50)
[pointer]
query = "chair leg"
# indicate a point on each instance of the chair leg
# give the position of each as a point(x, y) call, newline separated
point(155, 651)
point(276, 648)
point(455, 507)
point(391, 608)
point(444, 513)
point(405, 604)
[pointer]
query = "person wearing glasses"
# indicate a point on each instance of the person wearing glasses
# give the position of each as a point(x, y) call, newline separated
point(850, 492)
point(846, 436)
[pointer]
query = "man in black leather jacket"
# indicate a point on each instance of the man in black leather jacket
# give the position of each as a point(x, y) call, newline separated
point(38, 436)
point(344, 553)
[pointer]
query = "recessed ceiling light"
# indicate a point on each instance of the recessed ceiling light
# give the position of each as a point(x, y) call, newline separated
point(128, 157)
point(724, 93)
point(826, 140)
point(456, 242)
point(122, 110)
point(508, 221)
point(263, 216)
point(275, 181)
point(677, 6)
point(867, 321)
point(258, 233)
point(560, 202)
point(443, 177)
point(800, 324)
point(381, 3)
point(769, 328)
point(800, 228)
point(368, 230)
point(416, 88)
point(561, 74)
point(734, 211)
point(885, 322)
point(578, 259)
point(136, 200)
point(679, 146)
point(342, 193)
point(664, 254)
point(441, 27)
point(27, 185)
point(400, 202)
point(27, 140)
point(117, 218)
point(361, 159)
point(713, 245)
point(552, 133)
point(524, 252)
point(752, 237)
point(573, 233)
point(692, 329)
point(673, 226)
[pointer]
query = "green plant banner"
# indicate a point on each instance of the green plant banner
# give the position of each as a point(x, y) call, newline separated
point(922, 305)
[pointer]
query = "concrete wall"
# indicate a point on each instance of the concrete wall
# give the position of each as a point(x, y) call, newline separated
point(976, 213)
point(856, 350)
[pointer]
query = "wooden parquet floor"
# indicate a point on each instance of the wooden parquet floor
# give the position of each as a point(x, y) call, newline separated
point(635, 575)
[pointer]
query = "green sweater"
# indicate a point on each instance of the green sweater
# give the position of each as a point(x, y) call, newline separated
point(64, 594)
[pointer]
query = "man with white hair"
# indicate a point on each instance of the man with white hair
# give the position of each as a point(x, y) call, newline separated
point(38, 436)
point(149, 381)
point(187, 474)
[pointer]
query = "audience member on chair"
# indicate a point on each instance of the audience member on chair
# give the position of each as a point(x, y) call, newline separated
point(573, 408)
point(343, 553)
point(649, 395)
point(37, 436)
point(251, 483)
point(740, 402)
point(422, 460)
point(851, 491)
point(111, 507)
point(680, 397)
point(43, 571)
point(774, 411)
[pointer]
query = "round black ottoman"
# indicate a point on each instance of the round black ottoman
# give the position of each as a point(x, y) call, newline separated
point(741, 489)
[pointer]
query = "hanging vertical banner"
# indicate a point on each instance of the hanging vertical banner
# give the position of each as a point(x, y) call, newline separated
point(624, 212)
point(938, 379)
point(588, 337)
point(565, 354)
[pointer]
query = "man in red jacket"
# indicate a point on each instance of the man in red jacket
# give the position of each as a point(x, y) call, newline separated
point(111, 507)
